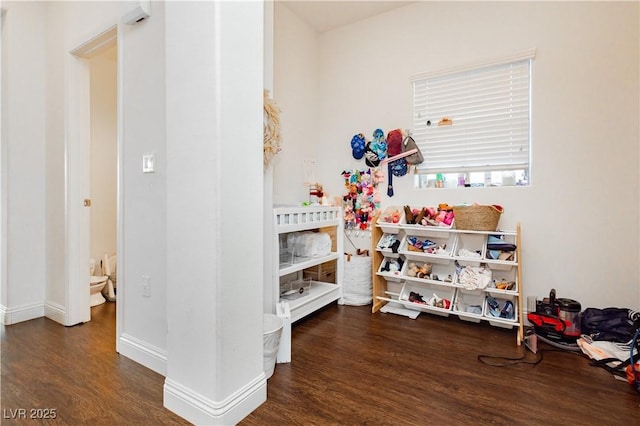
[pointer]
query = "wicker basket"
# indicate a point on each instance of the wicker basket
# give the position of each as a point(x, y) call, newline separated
point(477, 218)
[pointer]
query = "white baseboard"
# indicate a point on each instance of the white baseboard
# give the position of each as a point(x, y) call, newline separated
point(16, 314)
point(54, 312)
point(203, 411)
point(143, 353)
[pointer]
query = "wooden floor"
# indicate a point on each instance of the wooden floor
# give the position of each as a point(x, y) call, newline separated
point(350, 367)
point(76, 372)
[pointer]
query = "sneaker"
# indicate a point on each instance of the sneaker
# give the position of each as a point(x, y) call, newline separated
point(494, 306)
point(507, 310)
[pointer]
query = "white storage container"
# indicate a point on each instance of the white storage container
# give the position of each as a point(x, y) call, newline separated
point(393, 275)
point(501, 321)
point(443, 255)
point(389, 227)
point(432, 295)
point(295, 289)
point(504, 278)
point(468, 247)
point(469, 305)
point(386, 244)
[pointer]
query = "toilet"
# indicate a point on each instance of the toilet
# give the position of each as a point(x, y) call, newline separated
point(97, 283)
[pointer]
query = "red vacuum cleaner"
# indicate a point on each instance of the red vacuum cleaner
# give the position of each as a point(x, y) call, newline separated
point(556, 319)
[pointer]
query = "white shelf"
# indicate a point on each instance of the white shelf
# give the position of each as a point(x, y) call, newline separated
point(300, 263)
point(295, 219)
point(320, 294)
point(298, 219)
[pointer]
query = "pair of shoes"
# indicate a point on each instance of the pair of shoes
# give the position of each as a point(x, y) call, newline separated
point(416, 298)
point(421, 244)
point(387, 241)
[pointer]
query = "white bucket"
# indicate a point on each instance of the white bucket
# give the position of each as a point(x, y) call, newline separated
point(272, 331)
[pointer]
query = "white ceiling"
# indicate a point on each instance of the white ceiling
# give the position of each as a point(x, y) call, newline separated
point(325, 15)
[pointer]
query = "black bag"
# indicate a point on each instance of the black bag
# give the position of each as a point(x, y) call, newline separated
point(617, 366)
point(610, 324)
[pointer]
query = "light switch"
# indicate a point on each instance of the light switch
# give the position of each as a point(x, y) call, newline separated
point(309, 171)
point(148, 162)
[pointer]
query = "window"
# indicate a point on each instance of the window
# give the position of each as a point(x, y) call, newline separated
point(473, 124)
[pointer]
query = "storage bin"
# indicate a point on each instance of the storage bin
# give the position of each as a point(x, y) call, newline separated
point(502, 278)
point(394, 274)
point(467, 244)
point(469, 305)
point(385, 222)
point(387, 244)
point(292, 290)
point(496, 314)
point(430, 294)
point(437, 256)
point(325, 272)
point(473, 277)
point(500, 251)
point(427, 225)
point(440, 273)
point(477, 218)
point(356, 283)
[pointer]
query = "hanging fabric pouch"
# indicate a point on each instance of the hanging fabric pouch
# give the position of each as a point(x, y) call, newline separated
point(398, 167)
point(407, 145)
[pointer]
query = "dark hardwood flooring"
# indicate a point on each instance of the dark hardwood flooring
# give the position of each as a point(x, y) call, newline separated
point(350, 367)
point(76, 372)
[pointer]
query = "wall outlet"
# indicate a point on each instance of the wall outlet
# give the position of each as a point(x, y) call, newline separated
point(146, 291)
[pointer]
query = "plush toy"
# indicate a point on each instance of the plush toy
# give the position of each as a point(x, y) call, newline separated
point(413, 270)
point(424, 271)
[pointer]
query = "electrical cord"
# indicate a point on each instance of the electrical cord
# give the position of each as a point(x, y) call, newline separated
point(494, 360)
point(510, 361)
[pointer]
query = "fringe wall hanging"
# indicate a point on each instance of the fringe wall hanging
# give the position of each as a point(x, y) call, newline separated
point(271, 129)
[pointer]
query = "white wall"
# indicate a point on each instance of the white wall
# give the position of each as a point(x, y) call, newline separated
point(144, 195)
point(23, 140)
point(35, 100)
point(296, 94)
point(3, 167)
point(580, 215)
point(36, 95)
point(214, 229)
point(103, 155)
point(55, 163)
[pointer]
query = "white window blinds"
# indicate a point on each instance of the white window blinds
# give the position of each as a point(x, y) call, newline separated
point(489, 110)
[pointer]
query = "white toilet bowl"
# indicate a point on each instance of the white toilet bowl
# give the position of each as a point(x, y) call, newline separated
point(97, 283)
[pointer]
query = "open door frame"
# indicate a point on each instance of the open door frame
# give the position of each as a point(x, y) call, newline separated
point(77, 178)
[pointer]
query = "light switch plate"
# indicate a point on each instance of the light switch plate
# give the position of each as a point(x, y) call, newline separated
point(309, 171)
point(148, 162)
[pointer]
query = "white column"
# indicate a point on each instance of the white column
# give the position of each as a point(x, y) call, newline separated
point(214, 82)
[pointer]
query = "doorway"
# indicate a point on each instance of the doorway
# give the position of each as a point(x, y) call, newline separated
point(103, 164)
point(92, 153)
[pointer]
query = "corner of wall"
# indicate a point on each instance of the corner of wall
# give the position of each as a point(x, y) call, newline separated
point(200, 410)
point(14, 315)
point(55, 312)
point(143, 353)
